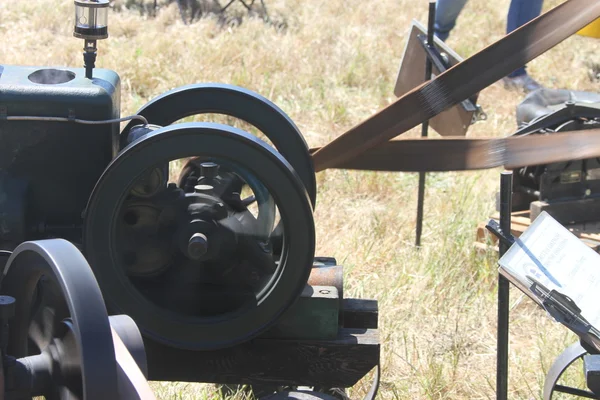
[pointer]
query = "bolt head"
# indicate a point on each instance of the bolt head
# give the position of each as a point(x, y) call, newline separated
point(209, 170)
point(7, 307)
point(197, 246)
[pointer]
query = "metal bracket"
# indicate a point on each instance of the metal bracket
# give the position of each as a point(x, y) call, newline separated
point(440, 61)
point(591, 370)
point(479, 115)
point(507, 238)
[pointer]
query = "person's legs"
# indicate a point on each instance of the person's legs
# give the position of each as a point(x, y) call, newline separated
point(521, 12)
point(446, 13)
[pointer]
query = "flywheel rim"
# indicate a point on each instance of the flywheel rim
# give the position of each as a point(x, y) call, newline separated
point(180, 141)
point(241, 103)
point(88, 316)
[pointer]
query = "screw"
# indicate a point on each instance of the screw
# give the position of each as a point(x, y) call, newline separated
point(445, 58)
point(324, 291)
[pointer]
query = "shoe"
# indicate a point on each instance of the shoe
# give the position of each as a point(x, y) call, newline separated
point(521, 82)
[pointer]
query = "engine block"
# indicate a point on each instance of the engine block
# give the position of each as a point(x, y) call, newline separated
point(49, 166)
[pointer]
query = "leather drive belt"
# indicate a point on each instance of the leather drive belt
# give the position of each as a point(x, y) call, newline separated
point(367, 145)
point(461, 154)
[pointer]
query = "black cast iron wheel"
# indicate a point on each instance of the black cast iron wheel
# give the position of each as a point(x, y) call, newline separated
point(568, 358)
point(60, 311)
point(216, 141)
point(244, 104)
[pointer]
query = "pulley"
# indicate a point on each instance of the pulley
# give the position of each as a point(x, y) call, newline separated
point(61, 342)
point(193, 262)
point(242, 104)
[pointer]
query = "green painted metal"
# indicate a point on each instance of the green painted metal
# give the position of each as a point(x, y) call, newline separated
point(313, 316)
point(61, 161)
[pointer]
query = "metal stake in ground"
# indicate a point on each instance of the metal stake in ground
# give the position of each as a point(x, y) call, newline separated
point(503, 289)
point(425, 125)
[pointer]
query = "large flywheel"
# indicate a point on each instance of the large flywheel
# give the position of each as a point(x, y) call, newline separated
point(210, 261)
point(242, 104)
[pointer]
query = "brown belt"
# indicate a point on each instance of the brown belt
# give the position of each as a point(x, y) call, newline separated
point(461, 154)
point(367, 145)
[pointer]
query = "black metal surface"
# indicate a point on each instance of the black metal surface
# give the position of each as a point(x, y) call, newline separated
point(591, 370)
point(503, 290)
point(546, 107)
point(85, 367)
point(299, 395)
point(240, 103)
point(291, 392)
point(545, 112)
point(220, 142)
point(574, 391)
point(506, 238)
point(196, 167)
point(425, 126)
point(13, 215)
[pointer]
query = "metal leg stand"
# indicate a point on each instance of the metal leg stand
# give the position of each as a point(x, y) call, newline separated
point(503, 289)
point(425, 126)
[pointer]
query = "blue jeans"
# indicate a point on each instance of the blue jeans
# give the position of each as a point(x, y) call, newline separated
point(519, 13)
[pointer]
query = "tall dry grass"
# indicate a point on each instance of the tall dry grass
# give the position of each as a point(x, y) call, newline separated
point(334, 66)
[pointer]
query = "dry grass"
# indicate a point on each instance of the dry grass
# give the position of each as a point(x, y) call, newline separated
point(332, 67)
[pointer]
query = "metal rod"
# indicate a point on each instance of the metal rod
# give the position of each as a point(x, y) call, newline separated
point(79, 121)
point(425, 125)
point(506, 183)
point(89, 57)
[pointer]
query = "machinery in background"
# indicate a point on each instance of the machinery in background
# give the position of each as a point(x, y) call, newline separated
point(569, 191)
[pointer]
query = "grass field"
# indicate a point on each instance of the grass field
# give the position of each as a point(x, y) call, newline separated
point(334, 65)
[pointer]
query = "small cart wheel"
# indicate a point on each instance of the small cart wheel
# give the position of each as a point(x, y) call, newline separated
point(567, 358)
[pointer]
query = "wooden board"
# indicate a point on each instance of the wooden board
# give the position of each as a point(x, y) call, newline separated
point(588, 232)
point(339, 362)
